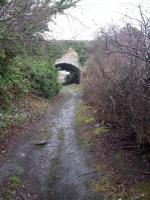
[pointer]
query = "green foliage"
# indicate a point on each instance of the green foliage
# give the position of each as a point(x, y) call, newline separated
point(2, 3)
point(14, 181)
point(17, 33)
point(80, 47)
point(82, 115)
point(9, 190)
point(85, 144)
point(57, 48)
point(24, 75)
point(2, 56)
point(100, 130)
point(13, 85)
point(44, 80)
point(7, 195)
point(101, 185)
point(144, 189)
point(9, 118)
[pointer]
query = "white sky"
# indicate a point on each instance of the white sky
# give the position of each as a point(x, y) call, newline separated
point(83, 21)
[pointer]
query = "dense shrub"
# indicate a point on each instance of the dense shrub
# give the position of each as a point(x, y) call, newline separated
point(13, 85)
point(26, 75)
point(44, 80)
point(117, 81)
point(41, 75)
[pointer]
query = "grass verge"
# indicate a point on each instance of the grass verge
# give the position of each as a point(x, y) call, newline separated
point(13, 184)
point(122, 172)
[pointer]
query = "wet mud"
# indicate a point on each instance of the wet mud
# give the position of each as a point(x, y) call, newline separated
point(50, 162)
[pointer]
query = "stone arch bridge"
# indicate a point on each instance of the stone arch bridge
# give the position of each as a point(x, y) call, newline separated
point(69, 62)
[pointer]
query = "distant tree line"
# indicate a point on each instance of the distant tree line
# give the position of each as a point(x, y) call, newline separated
point(59, 47)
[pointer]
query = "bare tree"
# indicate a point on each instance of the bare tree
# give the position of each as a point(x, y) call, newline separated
point(120, 76)
point(22, 22)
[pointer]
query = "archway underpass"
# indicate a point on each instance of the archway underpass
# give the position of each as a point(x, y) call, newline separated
point(69, 62)
point(74, 72)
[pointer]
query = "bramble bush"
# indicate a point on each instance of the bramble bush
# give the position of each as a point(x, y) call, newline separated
point(25, 75)
point(13, 85)
point(44, 80)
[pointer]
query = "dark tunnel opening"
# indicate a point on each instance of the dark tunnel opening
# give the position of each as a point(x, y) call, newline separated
point(74, 76)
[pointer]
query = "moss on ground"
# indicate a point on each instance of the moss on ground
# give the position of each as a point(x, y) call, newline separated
point(104, 185)
point(143, 191)
point(100, 167)
point(14, 181)
point(13, 184)
point(101, 185)
point(82, 116)
point(53, 177)
point(100, 130)
point(85, 143)
point(61, 134)
point(7, 195)
point(68, 89)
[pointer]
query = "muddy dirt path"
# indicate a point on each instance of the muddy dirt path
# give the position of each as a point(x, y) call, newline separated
point(57, 170)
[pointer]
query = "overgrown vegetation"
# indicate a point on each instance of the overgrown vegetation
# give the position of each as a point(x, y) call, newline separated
point(13, 184)
point(117, 79)
point(26, 58)
point(42, 77)
point(81, 47)
point(120, 175)
point(25, 76)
